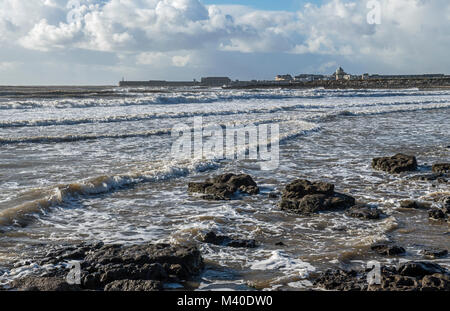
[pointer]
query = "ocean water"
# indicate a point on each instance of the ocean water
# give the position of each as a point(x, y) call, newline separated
point(94, 164)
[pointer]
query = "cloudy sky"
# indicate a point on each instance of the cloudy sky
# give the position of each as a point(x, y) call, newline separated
point(101, 41)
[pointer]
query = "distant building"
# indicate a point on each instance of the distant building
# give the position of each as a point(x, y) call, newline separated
point(215, 81)
point(284, 78)
point(309, 77)
point(340, 74)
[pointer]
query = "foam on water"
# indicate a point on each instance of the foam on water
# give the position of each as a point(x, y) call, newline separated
point(123, 138)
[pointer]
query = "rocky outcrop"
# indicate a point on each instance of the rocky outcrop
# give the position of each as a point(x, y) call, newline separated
point(224, 187)
point(213, 238)
point(305, 197)
point(395, 164)
point(410, 276)
point(386, 249)
point(117, 267)
point(441, 168)
point(363, 212)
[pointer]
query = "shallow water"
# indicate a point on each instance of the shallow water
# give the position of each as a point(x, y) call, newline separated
point(90, 164)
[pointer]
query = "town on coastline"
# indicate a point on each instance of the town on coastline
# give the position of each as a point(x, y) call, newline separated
point(338, 79)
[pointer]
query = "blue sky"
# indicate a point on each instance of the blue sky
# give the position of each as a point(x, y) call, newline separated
point(101, 41)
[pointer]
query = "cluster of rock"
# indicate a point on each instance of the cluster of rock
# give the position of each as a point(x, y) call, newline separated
point(224, 187)
point(305, 197)
point(395, 164)
point(409, 276)
point(143, 267)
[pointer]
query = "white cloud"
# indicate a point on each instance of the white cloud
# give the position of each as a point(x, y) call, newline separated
point(181, 61)
point(170, 32)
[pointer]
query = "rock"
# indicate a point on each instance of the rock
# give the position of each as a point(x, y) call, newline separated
point(223, 187)
point(441, 168)
point(280, 244)
point(363, 212)
point(434, 253)
point(134, 286)
point(305, 197)
point(439, 177)
point(438, 214)
point(420, 269)
point(341, 280)
point(446, 203)
point(395, 164)
point(46, 284)
point(301, 187)
point(412, 276)
point(274, 195)
point(433, 282)
point(120, 267)
point(212, 238)
point(414, 204)
point(387, 249)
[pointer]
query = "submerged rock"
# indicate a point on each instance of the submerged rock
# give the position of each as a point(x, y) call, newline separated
point(305, 197)
point(410, 276)
point(363, 212)
point(212, 238)
point(387, 249)
point(395, 164)
point(223, 187)
point(441, 168)
point(119, 267)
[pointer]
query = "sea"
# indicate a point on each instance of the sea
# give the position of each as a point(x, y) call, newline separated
point(90, 164)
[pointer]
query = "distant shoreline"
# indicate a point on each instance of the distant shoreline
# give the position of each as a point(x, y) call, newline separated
point(441, 83)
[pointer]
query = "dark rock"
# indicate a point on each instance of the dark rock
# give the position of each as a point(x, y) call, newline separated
point(274, 195)
point(126, 267)
point(434, 253)
point(395, 164)
point(420, 269)
point(363, 212)
point(414, 204)
point(439, 177)
point(212, 238)
point(434, 282)
point(43, 284)
point(134, 286)
point(223, 187)
point(301, 187)
point(438, 214)
point(441, 168)
point(341, 280)
point(387, 249)
point(412, 276)
point(280, 244)
point(305, 197)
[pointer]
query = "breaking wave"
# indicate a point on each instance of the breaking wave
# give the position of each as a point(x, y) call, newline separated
point(101, 185)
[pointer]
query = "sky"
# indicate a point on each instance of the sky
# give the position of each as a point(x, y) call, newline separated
point(84, 42)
